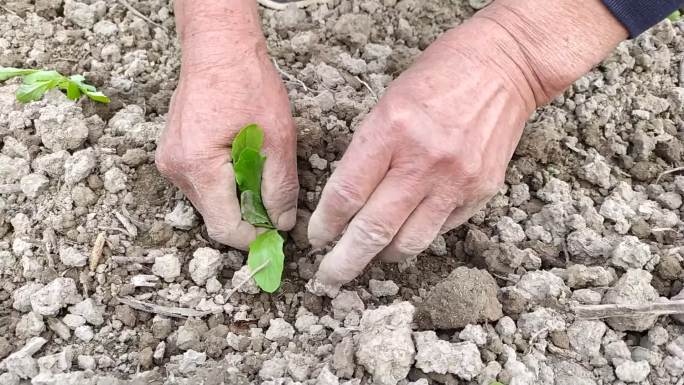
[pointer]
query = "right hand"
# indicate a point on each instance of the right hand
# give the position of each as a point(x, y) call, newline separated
point(435, 148)
point(221, 89)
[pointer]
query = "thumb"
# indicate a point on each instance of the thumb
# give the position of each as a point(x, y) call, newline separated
point(280, 186)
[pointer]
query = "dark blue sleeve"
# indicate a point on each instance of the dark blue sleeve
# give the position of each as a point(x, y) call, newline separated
point(639, 15)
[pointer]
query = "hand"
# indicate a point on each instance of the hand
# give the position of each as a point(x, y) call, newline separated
point(225, 85)
point(436, 147)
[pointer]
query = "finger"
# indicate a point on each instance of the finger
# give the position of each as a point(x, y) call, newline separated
point(461, 215)
point(373, 228)
point(213, 194)
point(361, 169)
point(419, 230)
point(279, 186)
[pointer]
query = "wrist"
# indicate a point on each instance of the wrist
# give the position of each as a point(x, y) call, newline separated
point(214, 34)
point(553, 44)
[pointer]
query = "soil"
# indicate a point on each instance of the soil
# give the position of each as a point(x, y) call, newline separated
point(585, 218)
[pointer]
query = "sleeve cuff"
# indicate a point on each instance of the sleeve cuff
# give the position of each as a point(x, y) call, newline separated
point(639, 15)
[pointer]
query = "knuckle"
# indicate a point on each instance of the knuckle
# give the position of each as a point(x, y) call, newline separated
point(373, 232)
point(344, 194)
point(215, 232)
point(490, 187)
point(413, 244)
point(441, 158)
point(283, 197)
point(472, 168)
point(175, 164)
point(165, 163)
point(223, 233)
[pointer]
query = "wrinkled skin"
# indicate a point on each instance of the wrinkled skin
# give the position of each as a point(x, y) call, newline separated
point(425, 159)
point(436, 147)
point(221, 91)
point(434, 151)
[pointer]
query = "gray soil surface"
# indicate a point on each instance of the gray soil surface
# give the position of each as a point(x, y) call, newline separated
point(89, 230)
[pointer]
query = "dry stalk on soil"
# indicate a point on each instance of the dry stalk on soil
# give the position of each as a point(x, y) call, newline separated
point(629, 310)
point(96, 253)
point(667, 172)
point(139, 14)
point(169, 311)
point(281, 6)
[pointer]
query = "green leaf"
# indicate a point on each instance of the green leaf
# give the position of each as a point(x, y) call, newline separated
point(248, 170)
point(9, 72)
point(266, 259)
point(44, 76)
point(251, 136)
point(253, 210)
point(266, 255)
point(72, 90)
point(675, 16)
point(32, 92)
point(89, 90)
point(98, 97)
point(37, 82)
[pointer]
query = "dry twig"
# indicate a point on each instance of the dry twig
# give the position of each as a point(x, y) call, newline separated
point(123, 260)
point(144, 280)
point(168, 311)
point(142, 226)
point(139, 14)
point(629, 310)
point(232, 291)
point(11, 188)
point(96, 253)
point(368, 87)
point(290, 77)
point(666, 172)
point(8, 10)
point(50, 245)
point(130, 228)
point(534, 338)
point(281, 6)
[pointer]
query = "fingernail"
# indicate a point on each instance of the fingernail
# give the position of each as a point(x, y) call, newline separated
point(316, 243)
point(316, 231)
point(286, 220)
point(321, 288)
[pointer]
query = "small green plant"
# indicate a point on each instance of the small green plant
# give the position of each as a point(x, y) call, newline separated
point(496, 383)
point(266, 255)
point(675, 16)
point(37, 82)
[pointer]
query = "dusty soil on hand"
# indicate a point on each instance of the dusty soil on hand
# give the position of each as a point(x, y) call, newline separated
point(584, 218)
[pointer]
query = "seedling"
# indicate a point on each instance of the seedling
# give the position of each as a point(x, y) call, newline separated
point(266, 255)
point(37, 82)
point(675, 16)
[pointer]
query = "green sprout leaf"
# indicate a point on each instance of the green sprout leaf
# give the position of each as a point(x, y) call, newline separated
point(72, 90)
point(34, 91)
point(252, 136)
point(248, 170)
point(675, 16)
point(253, 210)
point(44, 76)
point(266, 255)
point(37, 82)
point(266, 260)
point(9, 72)
point(87, 89)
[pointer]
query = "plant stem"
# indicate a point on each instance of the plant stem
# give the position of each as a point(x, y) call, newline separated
point(258, 269)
